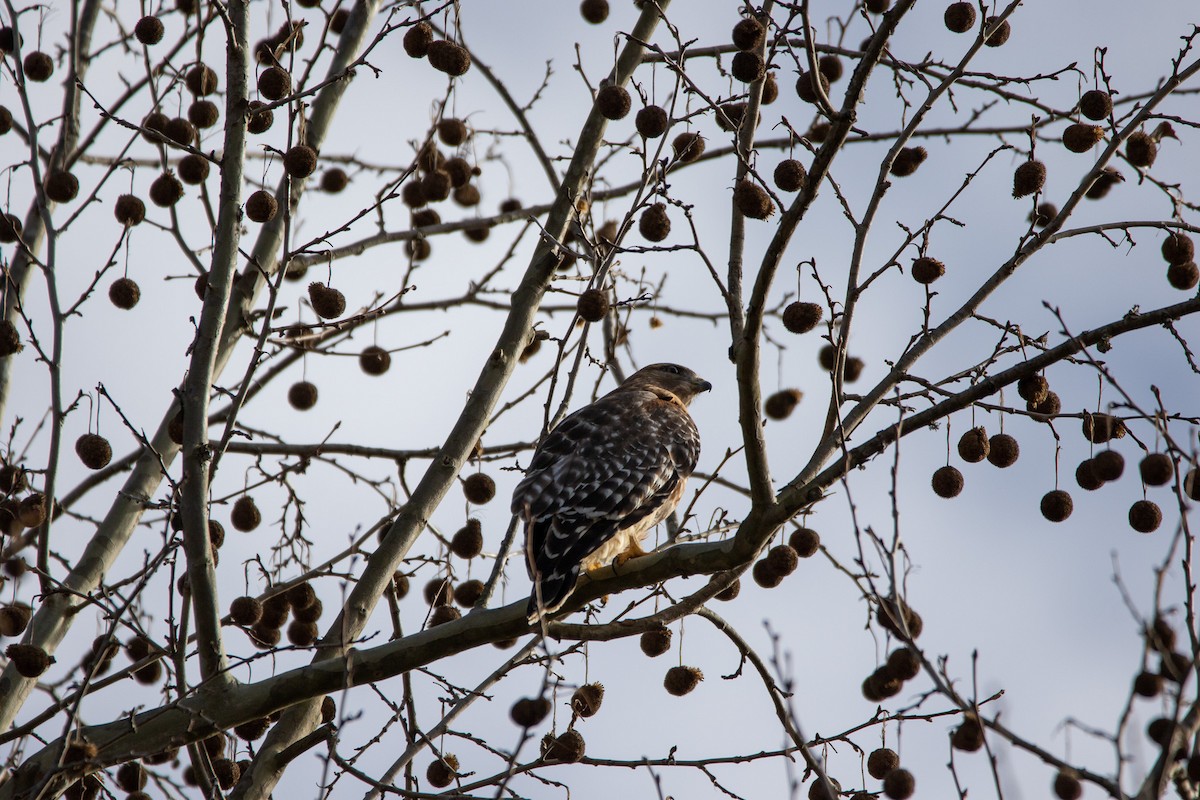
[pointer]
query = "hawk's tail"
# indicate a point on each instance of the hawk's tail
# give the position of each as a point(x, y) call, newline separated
point(552, 590)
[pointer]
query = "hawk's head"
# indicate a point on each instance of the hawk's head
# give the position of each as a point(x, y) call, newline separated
point(679, 381)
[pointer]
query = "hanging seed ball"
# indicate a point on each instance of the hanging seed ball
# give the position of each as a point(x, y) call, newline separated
point(904, 664)
point(264, 637)
point(751, 200)
point(374, 360)
point(510, 206)
point(651, 122)
point(730, 115)
point(245, 611)
point(799, 317)
point(770, 89)
point(973, 446)
point(888, 614)
point(1178, 248)
point(459, 170)
point(656, 641)
point(586, 700)
point(1148, 684)
point(38, 66)
point(14, 619)
point(780, 405)
point(1042, 215)
point(907, 161)
point(594, 11)
point(227, 772)
point(400, 585)
point(302, 395)
point(10, 228)
point(1141, 149)
point(300, 161)
point(1183, 276)
point(216, 533)
point(149, 30)
point(567, 748)
point(193, 169)
point(805, 541)
point(436, 185)
point(1100, 428)
point(1161, 730)
point(730, 592)
point(1175, 667)
point(419, 249)
point(1056, 505)
point(32, 510)
point(261, 206)
point(899, 784)
point(260, 119)
point(131, 777)
point(1028, 178)
point(881, 762)
point(782, 559)
point(245, 515)
point(452, 132)
point(12, 479)
point(334, 180)
point(417, 39)
point(681, 680)
point(765, 576)
point(166, 190)
point(688, 147)
point(1086, 477)
point(1109, 465)
point(654, 225)
point(467, 541)
point(968, 736)
point(302, 634)
point(180, 130)
point(449, 58)
point(302, 595)
point(1107, 179)
point(818, 790)
point(311, 612)
point(10, 339)
point(613, 102)
point(1079, 137)
point(93, 450)
point(748, 34)
point(947, 482)
point(129, 210)
point(426, 217)
point(1096, 105)
point(337, 23)
point(467, 196)
point(529, 711)
point(61, 186)
point(413, 194)
point(1160, 635)
point(790, 175)
point(251, 731)
point(831, 67)
point(877, 6)
point(1067, 786)
point(805, 88)
point(926, 270)
point(443, 614)
point(327, 302)
point(748, 66)
point(827, 357)
point(441, 773)
point(1145, 516)
point(30, 661)
point(124, 293)
point(467, 593)
point(479, 488)
point(201, 80)
point(274, 83)
point(438, 592)
point(997, 32)
point(880, 685)
point(1003, 450)
point(1047, 409)
point(1033, 388)
point(959, 17)
point(1156, 469)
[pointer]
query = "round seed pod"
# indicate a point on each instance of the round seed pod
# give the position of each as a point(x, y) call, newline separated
point(157, 122)
point(61, 186)
point(302, 634)
point(854, 368)
point(1079, 137)
point(586, 700)
point(436, 185)
point(39, 66)
point(413, 194)
point(131, 777)
point(730, 116)
point(656, 641)
point(129, 210)
point(1028, 178)
point(1096, 105)
point(93, 450)
point(790, 175)
point(452, 132)
point(302, 395)
point(1160, 635)
point(779, 406)
point(1067, 786)
point(337, 22)
point(166, 190)
point(311, 612)
point(877, 6)
point(245, 611)
point(180, 131)
point(459, 170)
point(216, 533)
point(782, 559)
point(245, 515)
point(1042, 216)
point(529, 711)
point(149, 30)
point(14, 619)
point(467, 593)
point(882, 761)
point(748, 34)
point(261, 206)
point(467, 541)
point(1100, 428)
point(1086, 477)
point(449, 58)
point(1107, 179)
point(819, 791)
point(973, 446)
point(201, 80)
point(613, 102)
point(374, 360)
point(567, 748)
point(417, 40)
point(968, 737)
point(1141, 149)
point(806, 90)
point(467, 196)
point(327, 302)
point(1183, 277)
point(429, 157)
point(889, 612)
point(770, 89)
point(1046, 410)
point(926, 270)
point(12, 479)
point(10, 339)
point(903, 664)
point(300, 161)
point(10, 228)
point(227, 772)
point(1033, 388)
point(124, 293)
point(438, 592)
point(805, 541)
point(30, 660)
point(730, 592)
point(1145, 516)
point(479, 488)
point(1161, 730)
point(1109, 465)
point(830, 66)
point(31, 511)
point(765, 575)
point(959, 17)
point(899, 784)
point(682, 680)
point(748, 66)
point(1156, 469)
point(334, 180)
point(907, 161)
point(799, 317)
point(426, 217)
point(1003, 450)
point(1178, 248)
point(251, 731)
point(1147, 684)
point(751, 200)
point(441, 773)
point(947, 482)
point(260, 119)
point(688, 147)
point(651, 122)
point(594, 11)
point(827, 357)
point(1057, 505)
point(443, 614)
point(881, 685)
point(203, 113)
point(997, 32)
point(400, 585)
point(419, 249)
point(193, 169)
point(654, 225)
point(1175, 666)
point(302, 595)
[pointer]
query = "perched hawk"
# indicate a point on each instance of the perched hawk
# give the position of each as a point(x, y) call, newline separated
point(604, 477)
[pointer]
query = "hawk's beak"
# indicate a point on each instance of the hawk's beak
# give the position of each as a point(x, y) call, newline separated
point(703, 386)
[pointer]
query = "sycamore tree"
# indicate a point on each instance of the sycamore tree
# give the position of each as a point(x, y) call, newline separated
point(292, 291)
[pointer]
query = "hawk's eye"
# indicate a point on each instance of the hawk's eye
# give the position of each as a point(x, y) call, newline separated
point(671, 368)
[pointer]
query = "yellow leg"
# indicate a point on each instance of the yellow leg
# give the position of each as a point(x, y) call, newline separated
point(633, 551)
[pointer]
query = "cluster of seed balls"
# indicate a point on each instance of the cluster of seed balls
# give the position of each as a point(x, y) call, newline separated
point(883, 764)
point(801, 317)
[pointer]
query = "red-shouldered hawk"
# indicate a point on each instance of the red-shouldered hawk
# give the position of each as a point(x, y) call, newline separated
point(604, 477)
